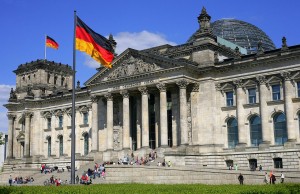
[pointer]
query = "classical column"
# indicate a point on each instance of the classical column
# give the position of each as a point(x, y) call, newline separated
point(94, 100)
point(240, 100)
point(109, 122)
point(183, 111)
point(194, 113)
point(27, 134)
point(163, 115)
point(175, 118)
point(138, 124)
point(10, 147)
point(288, 106)
point(145, 117)
point(157, 120)
point(126, 134)
point(263, 108)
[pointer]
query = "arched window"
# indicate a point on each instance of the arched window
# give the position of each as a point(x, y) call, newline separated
point(280, 132)
point(55, 80)
point(86, 144)
point(49, 146)
point(62, 81)
point(233, 135)
point(61, 145)
point(255, 131)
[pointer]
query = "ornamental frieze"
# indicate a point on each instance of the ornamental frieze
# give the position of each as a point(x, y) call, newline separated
point(132, 66)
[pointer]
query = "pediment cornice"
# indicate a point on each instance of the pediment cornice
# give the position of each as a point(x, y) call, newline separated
point(135, 64)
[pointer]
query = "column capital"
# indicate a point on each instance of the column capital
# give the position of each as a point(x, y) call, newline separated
point(94, 98)
point(109, 97)
point(195, 87)
point(286, 75)
point(162, 87)
point(10, 116)
point(182, 83)
point(143, 90)
point(262, 80)
point(238, 83)
point(28, 114)
point(124, 93)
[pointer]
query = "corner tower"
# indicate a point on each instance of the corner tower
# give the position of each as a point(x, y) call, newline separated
point(40, 78)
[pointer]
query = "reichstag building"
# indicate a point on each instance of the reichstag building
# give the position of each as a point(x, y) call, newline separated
point(227, 96)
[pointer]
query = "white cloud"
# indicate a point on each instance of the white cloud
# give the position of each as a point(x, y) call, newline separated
point(136, 40)
point(4, 95)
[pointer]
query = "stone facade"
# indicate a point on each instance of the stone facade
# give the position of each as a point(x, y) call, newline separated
point(199, 103)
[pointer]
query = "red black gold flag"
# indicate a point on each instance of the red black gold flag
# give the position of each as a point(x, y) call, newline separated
point(50, 42)
point(94, 44)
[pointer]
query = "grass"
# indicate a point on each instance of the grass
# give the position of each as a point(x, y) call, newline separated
point(154, 189)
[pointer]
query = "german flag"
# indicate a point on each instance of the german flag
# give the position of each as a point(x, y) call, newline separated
point(50, 42)
point(94, 44)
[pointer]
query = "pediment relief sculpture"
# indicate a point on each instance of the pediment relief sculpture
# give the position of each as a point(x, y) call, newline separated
point(132, 66)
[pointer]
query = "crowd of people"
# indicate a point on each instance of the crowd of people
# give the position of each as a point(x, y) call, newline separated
point(20, 180)
point(268, 179)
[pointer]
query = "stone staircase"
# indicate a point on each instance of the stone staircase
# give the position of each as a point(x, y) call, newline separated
point(154, 174)
point(188, 175)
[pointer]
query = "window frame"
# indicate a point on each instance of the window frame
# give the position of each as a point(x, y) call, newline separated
point(252, 96)
point(60, 121)
point(229, 101)
point(277, 93)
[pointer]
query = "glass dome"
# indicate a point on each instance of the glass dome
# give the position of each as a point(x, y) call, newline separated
point(241, 33)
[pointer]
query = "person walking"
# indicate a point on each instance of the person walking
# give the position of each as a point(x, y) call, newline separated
point(10, 180)
point(241, 179)
point(77, 179)
point(273, 179)
point(282, 177)
point(266, 178)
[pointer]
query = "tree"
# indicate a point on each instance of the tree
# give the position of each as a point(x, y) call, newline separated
point(2, 141)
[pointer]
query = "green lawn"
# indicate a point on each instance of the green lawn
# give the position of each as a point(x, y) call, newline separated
point(154, 189)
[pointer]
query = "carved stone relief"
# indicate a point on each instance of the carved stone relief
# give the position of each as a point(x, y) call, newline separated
point(132, 66)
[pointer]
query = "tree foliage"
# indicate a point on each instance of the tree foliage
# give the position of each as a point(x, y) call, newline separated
point(2, 141)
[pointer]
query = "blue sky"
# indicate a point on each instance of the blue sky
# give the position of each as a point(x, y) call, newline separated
point(133, 23)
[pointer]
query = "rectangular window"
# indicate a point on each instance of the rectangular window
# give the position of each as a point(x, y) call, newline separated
point(60, 121)
point(229, 98)
point(298, 89)
point(252, 95)
point(85, 118)
point(49, 123)
point(276, 92)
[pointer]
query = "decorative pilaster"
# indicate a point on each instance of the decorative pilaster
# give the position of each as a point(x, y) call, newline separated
point(95, 142)
point(194, 113)
point(263, 98)
point(126, 134)
point(27, 134)
point(182, 84)
point(110, 124)
point(240, 100)
point(288, 105)
point(163, 115)
point(145, 117)
point(10, 147)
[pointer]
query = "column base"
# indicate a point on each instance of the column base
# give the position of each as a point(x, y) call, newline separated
point(182, 148)
point(265, 145)
point(291, 140)
point(240, 147)
point(290, 144)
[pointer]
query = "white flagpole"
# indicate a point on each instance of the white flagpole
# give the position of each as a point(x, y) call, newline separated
point(73, 135)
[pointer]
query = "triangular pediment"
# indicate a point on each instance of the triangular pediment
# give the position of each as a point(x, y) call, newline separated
point(131, 66)
point(133, 63)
